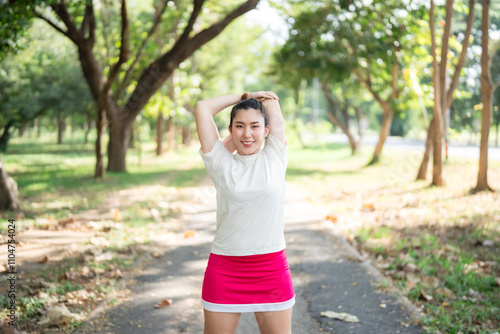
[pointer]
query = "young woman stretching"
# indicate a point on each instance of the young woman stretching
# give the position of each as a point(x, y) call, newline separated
point(247, 269)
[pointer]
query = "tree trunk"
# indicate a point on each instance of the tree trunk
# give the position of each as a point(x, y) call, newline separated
point(295, 123)
point(333, 105)
point(352, 141)
point(132, 137)
point(359, 118)
point(4, 139)
point(100, 128)
point(429, 145)
point(88, 128)
point(159, 133)
point(443, 97)
point(170, 133)
point(437, 160)
point(388, 113)
point(9, 196)
point(61, 127)
point(185, 131)
point(487, 99)
point(117, 147)
point(387, 116)
point(22, 129)
point(496, 132)
point(437, 165)
point(38, 123)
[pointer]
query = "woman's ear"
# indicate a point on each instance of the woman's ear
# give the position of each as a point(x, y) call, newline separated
point(267, 131)
point(230, 130)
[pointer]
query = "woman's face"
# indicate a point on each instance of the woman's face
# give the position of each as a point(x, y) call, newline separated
point(248, 131)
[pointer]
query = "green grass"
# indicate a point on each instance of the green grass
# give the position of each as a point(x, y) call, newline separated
point(57, 180)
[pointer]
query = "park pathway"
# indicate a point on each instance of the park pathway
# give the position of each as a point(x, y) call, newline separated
point(328, 275)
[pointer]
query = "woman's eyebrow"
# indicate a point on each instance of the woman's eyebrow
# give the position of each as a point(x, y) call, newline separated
point(256, 122)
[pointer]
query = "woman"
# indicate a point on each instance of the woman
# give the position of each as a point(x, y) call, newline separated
point(247, 269)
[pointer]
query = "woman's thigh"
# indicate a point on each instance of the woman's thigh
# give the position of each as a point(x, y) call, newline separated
point(276, 322)
point(221, 322)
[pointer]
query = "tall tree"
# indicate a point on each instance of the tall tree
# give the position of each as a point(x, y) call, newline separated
point(338, 114)
point(122, 87)
point(443, 94)
point(332, 40)
point(9, 196)
point(487, 93)
point(38, 81)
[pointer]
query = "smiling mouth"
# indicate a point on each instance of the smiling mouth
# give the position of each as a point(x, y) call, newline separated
point(247, 143)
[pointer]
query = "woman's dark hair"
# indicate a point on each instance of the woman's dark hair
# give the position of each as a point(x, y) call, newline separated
point(249, 104)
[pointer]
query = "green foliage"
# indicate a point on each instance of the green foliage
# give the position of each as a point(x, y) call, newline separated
point(218, 68)
point(42, 80)
point(346, 43)
point(15, 19)
point(329, 40)
point(28, 308)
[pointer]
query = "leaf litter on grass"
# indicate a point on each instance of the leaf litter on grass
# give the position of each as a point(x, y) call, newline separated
point(440, 246)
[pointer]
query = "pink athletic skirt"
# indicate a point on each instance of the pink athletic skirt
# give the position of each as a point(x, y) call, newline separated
point(253, 283)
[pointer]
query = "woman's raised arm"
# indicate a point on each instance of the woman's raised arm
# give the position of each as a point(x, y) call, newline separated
point(274, 114)
point(204, 114)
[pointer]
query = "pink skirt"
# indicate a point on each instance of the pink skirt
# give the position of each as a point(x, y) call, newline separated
point(253, 283)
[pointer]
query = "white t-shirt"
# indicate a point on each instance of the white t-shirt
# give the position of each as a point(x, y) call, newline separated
point(250, 198)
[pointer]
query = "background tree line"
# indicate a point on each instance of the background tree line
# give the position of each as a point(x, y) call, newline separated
point(398, 65)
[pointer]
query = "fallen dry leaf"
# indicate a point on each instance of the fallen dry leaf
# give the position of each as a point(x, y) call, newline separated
point(425, 296)
point(354, 259)
point(105, 257)
point(57, 314)
point(368, 207)
point(189, 234)
point(65, 222)
point(447, 293)
point(70, 275)
point(430, 281)
point(156, 253)
point(164, 303)
point(117, 215)
point(346, 317)
point(116, 274)
point(410, 268)
point(45, 259)
point(332, 218)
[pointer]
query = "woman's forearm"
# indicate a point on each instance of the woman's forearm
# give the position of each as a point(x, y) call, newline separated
point(276, 121)
point(216, 104)
point(229, 144)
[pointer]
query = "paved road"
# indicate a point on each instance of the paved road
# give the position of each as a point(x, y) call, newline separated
point(455, 150)
point(327, 275)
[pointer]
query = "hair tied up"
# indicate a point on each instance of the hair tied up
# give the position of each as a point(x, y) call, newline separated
point(249, 104)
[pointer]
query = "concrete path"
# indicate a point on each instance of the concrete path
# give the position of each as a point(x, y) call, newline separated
point(328, 275)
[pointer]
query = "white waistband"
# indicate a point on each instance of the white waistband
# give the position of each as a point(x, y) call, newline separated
point(244, 308)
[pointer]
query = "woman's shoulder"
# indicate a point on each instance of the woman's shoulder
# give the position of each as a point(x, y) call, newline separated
point(275, 144)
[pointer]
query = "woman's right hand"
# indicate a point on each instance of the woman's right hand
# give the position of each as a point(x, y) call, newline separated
point(262, 95)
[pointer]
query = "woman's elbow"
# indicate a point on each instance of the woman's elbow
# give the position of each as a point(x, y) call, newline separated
point(198, 106)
